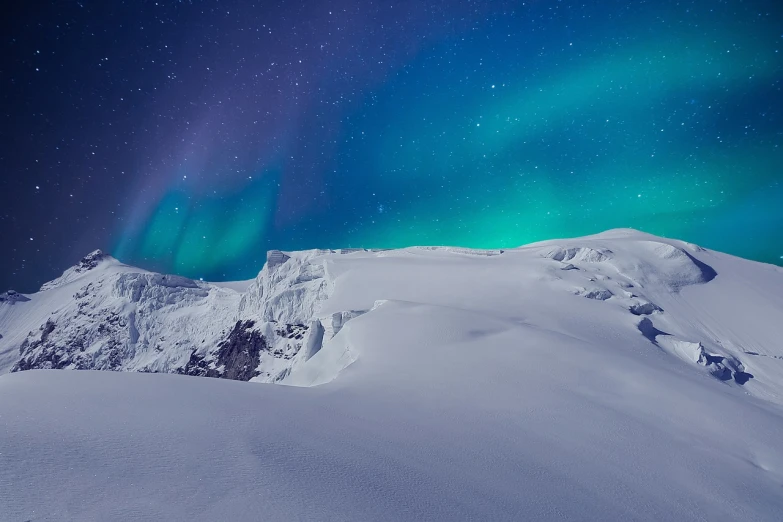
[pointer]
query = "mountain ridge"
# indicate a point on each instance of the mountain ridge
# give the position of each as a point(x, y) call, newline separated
point(103, 314)
point(614, 377)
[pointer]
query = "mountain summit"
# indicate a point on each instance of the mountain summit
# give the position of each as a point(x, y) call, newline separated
point(615, 376)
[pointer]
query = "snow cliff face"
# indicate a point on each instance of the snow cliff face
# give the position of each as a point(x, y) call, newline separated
point(291, 323)
point(102, 315)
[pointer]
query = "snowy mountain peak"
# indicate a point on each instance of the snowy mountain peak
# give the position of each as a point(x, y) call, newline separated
point(296, 321)
point(612, 377)
point(93, 260)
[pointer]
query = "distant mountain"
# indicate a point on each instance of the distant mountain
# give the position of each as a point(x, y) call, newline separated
point(618, 376)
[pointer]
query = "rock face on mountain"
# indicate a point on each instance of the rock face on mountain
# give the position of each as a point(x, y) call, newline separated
point(104, 315)
point(619, 376)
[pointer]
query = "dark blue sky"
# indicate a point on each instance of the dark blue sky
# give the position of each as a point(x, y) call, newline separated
point(190, 137)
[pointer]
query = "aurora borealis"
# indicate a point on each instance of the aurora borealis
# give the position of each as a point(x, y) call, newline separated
point(191, 137)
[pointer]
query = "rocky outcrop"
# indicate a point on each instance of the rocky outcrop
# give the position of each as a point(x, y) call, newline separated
point(108, 316)
point(12, 296)
point(236, 357)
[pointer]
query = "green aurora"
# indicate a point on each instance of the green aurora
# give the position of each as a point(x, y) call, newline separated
point(664, 118)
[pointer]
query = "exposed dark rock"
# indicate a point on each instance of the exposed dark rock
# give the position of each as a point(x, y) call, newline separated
point(239, 354)
point(275, 257)
point(236, 358)
point(12, 296)
point(85, 291)
point(196, 366)
point(291, 331)
point(90, 261)
point(37, 354)
point(46, 351)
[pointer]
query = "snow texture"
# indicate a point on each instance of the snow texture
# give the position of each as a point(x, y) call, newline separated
point(620, 376)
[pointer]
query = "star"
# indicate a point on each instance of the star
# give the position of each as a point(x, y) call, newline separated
point(283, 148)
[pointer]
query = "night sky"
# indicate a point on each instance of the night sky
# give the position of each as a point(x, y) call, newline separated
point(192, 136)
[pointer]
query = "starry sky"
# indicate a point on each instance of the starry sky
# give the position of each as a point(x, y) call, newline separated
point(192, 136)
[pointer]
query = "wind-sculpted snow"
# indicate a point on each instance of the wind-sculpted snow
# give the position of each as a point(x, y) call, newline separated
point(654, 262)
point(104, 315)
point(613, 377)
point(585, 254)
point(288, 292)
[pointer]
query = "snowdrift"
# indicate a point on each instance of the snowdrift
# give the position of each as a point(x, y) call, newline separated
point(620, 376)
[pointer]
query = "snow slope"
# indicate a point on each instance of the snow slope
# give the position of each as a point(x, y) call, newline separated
point(618, 377)
point(101, 314)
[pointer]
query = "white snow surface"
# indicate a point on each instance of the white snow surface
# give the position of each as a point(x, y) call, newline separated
point(620, 376)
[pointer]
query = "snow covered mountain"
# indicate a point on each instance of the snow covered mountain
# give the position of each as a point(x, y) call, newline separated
point(620, 376)
point(103, 315)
